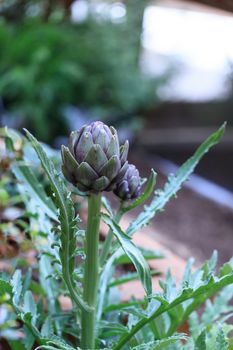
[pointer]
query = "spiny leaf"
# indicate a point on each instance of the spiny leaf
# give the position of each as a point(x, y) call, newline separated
point(218, 307)
point(221, 343)
point(31, 185)
point(16, 283)
point(226, 268)
point(174, 183)
point(30, 306)
point(67, 218)
point(27, 180)
point(132, 252)
point(47, 328)
point(198, 295)
point(160, 344)
point(56, 343)
point(27, 280)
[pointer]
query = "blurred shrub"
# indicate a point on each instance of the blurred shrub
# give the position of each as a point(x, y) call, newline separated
point(45, 66)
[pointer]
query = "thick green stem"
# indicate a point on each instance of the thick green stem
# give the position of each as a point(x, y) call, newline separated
point(108, 240)
point(91, 272)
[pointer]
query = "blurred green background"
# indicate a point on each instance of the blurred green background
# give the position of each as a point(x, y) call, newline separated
point(50, 64)
point(136, 64)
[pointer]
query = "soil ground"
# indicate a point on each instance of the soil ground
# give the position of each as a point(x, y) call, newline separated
point(191, 225)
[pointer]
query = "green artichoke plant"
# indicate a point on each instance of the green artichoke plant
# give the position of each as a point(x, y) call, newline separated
point(93, 160)
point(129, 187)
point(86, 269)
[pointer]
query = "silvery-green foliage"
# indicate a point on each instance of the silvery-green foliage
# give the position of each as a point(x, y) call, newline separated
point(171, 308)
point(152, 323)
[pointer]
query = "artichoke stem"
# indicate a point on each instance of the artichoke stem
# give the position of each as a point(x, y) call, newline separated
point(91, 271)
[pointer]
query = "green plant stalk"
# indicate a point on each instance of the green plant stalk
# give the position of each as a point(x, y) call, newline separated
point(91, 271)
point(108, 241)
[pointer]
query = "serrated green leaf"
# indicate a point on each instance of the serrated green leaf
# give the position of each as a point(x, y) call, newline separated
point(209, 267)
point(47, 328)
point(132, 252)
point(170, 291)
point(16, 283)
point(29, 306)
point(30, 184)
point(197, 295)
point(67, 219)
point(59, 343)
point(27, 280)
point(214, 309)
point(187, 273)
point(174, 183)
point(221, 343)
point(226, 268)
point(160, 344)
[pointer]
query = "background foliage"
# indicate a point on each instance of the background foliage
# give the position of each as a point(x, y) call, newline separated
point(48, 62)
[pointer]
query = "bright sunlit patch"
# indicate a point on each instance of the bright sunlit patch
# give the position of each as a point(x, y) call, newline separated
point(117, 11)
point(79, 10)
point(203, 40)
point(200, 41)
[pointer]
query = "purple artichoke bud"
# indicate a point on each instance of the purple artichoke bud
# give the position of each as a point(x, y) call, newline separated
point(93, 160)
point(130, 186)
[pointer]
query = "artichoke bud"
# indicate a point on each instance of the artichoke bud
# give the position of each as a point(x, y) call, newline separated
point(129, 187)
point(94, 161)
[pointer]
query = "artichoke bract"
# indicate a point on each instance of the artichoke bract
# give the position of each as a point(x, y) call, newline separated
point(93, 160)
point(130, 186)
